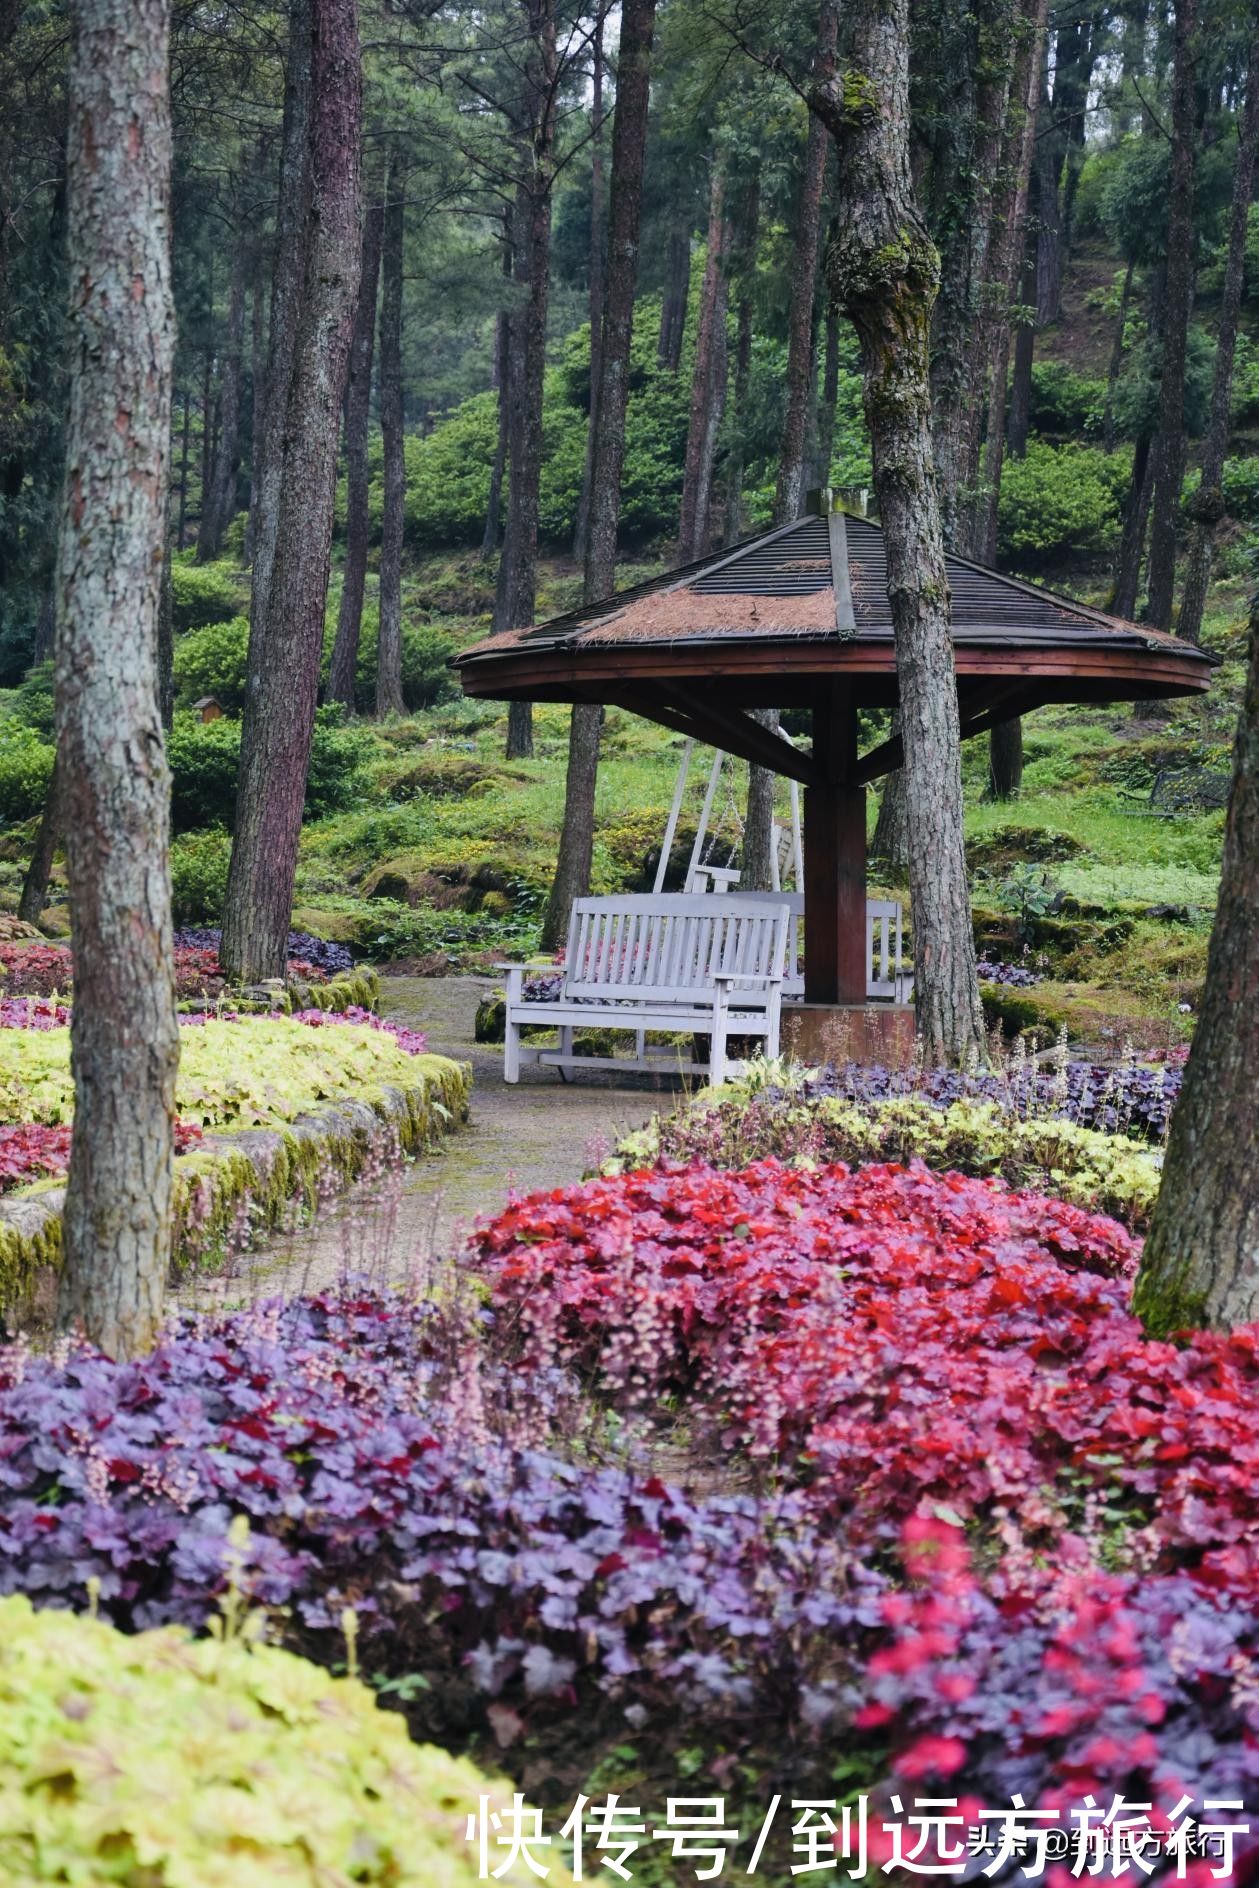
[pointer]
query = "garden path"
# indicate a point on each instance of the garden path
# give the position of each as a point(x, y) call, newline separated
point(542, 1133)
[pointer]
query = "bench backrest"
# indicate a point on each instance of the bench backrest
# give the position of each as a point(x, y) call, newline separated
point(671, 945)
point(884, 922)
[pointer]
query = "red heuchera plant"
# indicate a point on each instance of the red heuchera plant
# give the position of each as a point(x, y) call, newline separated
point(915, 1338)
point(34, 1150)
point(42, 969)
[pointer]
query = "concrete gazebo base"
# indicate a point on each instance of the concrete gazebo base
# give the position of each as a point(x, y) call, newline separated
point(815, 1033)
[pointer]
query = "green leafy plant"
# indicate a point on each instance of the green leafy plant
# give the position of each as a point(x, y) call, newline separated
point(160, 1758)
point(204, 593)
point(205, 760)
point(1057, 502)
point(213, 661)
point(26, 762)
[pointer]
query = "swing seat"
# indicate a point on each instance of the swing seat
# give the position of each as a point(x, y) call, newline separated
point(659, 962)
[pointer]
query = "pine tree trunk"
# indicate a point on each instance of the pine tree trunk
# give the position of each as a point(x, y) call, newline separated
point(891, 829)
point(674, 300)
point(582, 526)
point(705, 379)
point(756, 864)
point(1201, 1259)
point(257, 392)
point(885, 273)
point(743, 268)
point(629, 144)
point(830, 395)
point(1018, 421)
point(287, 286)
point(1132, 538)
point(518, 567)
point(34, 894)
point(183, 475)
point(1169, 447)
point(1207, 507)
point(358, 406)
point(502, 371)
point(389, 648)
point(115, 787)
point(1005, 760)
point(303, 417)
point(166, 633)
point(793, 453)
point(1005, 260)
point(1116, 361)
point(219, 501)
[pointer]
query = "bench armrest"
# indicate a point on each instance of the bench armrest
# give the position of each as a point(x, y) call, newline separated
point(515, 974)
point(730, 978)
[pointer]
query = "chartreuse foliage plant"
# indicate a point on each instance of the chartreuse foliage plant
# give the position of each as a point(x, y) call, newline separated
point(255, 1071)
point(163, 1759)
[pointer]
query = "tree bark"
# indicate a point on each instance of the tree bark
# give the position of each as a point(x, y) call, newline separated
point(891, 828)
point(293, 211)
point(303, 414)
point(1005, 760)
point(34, 894)
point(830, 395)
point(629, 144)
point(1132, 537)
point(1169, 447)
point(258, 342)
point(675, 298)
point(597, 234)
point(885, 273)
point(115, 787)
point(708, 380)
point(502, 371)
point(518, 566)
point(389, 648)
point(1116, 360)
point(1207, 508)
point(745, 263)
point(756, 864)
point(1201, 1258)
point(219, 500)
point(793, 453)
point(358, 406)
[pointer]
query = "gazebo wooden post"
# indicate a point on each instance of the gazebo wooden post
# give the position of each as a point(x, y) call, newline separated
point(835, 856)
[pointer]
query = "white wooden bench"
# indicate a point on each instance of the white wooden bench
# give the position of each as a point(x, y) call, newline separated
point(681, 962)
point(886, 977)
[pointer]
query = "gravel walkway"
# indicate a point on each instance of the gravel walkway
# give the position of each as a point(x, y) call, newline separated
point(540, 1133)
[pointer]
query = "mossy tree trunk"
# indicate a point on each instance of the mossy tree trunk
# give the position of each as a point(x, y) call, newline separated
point(1201, 1258)
point(114, 786)
point(885, 273)
point(287, 614)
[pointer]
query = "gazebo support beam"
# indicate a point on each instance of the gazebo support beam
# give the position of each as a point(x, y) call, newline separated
point(726, 728)
point(835, 857)
point(999, 705)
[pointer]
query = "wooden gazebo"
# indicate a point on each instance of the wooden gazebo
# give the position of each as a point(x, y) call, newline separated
point(799, 618)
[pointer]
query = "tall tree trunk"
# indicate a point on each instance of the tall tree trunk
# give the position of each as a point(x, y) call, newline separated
point(1207, 508)
point(756, 872)
point(891, 828)
point(389, 648)
point(183, 475)
point(597, 208)
point(707, 379)
point(502, 373)
point(1132, 538)
point(34, 894)
point(293, 212)
point(115, 785)
point(677, 292)
point(1115, 365)
point(257, 388)
point(1201, 1258)
point(830, 395)
point(793, 452)
point(1019, 418)
point(1005, 760)
point(1169, 447)
point(1005, 258)
point(885, 272)
point(358, 406)
point(744, 249)
point(218, 505)
point(629, 144)
point(518, 567)
point(303, 415)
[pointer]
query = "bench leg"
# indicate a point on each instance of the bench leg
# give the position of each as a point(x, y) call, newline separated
point(511, 1050)
point(717, 1047)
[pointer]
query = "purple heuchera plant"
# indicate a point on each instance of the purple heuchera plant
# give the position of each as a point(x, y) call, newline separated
point(318, 951)
point(1129, 1098)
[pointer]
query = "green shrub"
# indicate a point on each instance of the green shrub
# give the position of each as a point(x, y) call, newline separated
point(25, 769)
point(213, 661)
point(204, 593)
point(205, 760)
point(1240, 485)
point(198, 871)
point(426, 675)
point(1059, 502)
point(156, 1758)
point(1063, 403)
point(32, 702)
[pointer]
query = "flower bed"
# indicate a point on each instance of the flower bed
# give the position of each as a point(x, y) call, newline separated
point(741, 1122)
point(316, 971)
point(275, 1111)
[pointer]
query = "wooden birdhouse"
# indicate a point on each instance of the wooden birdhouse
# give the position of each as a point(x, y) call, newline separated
point(210, 708)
